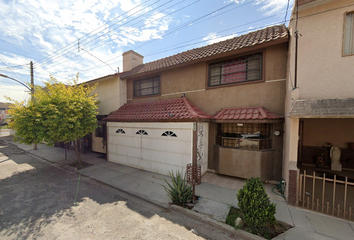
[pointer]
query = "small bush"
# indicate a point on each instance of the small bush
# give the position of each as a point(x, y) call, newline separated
point(258, 211)
point(179, 192)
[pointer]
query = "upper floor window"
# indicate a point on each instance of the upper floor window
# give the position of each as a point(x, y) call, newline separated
point(348, 46)
point(240, 69)
point(148, 86)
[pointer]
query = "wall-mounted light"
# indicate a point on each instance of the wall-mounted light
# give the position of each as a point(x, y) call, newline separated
point(276, 133)
point(239, 124)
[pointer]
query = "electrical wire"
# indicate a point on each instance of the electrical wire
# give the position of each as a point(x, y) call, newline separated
point(145, 20)
point(10, 69)
point(286, 13)
point(169, 48)
point(60, 50)
point(258, 20)
point(188, 24)
point(215, 11)
point(140, 16)
point(75, 43)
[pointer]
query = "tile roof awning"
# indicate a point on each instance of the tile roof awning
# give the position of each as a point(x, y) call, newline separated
point(269, 34)
point(246, 113)
point(172, 110)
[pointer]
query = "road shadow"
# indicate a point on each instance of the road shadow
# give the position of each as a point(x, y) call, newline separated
point(36, 195)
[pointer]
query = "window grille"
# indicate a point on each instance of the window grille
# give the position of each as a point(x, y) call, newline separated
point(241, 69)
point(255, 136)
point(148, 86)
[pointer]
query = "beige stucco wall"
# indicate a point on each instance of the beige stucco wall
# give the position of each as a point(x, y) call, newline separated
point(319, 132)
point(192, 80)
point(111, 94)
point(322, 70)
point(323, 73)
point(244, 163)
point(97, 144)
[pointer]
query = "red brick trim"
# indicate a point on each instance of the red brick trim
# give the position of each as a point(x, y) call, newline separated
point(292, 187)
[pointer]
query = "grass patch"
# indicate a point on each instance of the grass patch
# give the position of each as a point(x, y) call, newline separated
point(4, 127)
point(268, 233)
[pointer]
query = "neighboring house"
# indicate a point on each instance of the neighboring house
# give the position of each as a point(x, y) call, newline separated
point(319, 109)
point(111, 93)
point(3, 112)
point(220, 105)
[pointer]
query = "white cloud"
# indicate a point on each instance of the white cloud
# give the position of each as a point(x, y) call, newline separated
point(273, 6)
point(214, 38)
point(48, 26)
point(16, 92)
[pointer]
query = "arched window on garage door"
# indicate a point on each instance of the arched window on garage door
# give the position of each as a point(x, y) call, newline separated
point(142, 132)
point(120, 131)
point(169, 134)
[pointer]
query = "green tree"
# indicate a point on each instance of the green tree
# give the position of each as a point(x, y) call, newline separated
point(58, 113)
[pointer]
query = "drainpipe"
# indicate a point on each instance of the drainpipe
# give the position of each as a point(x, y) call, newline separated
point(296, 43)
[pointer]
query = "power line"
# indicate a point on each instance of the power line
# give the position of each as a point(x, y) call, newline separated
point(152, 53)
point(97, 58)
point(145, 19)
point(169, 48)
point(286, 12)
point(135, 23)
point(183, 25)
point(128, 21)
point(69, 45)
point(189, 23)
point(9, 68)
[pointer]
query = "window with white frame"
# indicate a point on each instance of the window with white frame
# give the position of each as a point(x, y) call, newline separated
point(348, 45)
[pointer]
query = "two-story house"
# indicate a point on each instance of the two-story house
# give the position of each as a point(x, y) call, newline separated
point(220, 105)
point(319, 109)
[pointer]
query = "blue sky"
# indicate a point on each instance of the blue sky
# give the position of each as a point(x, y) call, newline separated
point(48, 32)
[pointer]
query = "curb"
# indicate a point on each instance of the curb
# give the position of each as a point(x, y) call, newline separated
point(190, 213)
point(216, 224)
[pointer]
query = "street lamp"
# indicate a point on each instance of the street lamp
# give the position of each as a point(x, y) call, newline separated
point(4, 76)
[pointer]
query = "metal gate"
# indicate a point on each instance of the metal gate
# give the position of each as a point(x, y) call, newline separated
point(331, 194)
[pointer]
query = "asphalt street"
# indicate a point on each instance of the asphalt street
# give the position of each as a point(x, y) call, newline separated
point(39, 200)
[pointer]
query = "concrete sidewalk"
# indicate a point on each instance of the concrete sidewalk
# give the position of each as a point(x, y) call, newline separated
point(215, 201)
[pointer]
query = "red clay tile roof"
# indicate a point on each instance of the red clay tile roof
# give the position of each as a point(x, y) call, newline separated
point(250, 39)
point(247, 113)
point(179, 109)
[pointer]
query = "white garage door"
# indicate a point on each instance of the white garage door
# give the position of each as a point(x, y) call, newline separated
point(155, 147)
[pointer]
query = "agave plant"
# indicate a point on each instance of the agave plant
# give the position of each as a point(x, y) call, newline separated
point(179, 191)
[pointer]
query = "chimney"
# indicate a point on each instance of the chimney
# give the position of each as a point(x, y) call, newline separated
point(131, 59)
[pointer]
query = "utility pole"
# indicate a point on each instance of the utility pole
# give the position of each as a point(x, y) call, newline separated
point(32, 92)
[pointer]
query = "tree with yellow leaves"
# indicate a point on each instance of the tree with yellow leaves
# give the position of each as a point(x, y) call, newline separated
point(58, 113)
